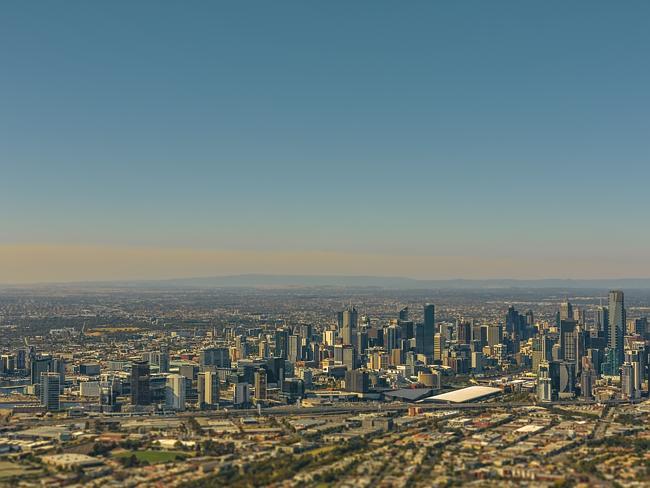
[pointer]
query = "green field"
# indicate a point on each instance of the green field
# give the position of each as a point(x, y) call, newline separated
point(153, 457)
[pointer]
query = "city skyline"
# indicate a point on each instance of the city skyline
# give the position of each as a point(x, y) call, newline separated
point(449, 140)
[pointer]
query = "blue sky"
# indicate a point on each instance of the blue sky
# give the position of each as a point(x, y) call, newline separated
point(480, 129)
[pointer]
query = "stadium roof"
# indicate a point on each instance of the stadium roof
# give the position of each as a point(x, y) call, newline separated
point(408, 394)
point(469, 394)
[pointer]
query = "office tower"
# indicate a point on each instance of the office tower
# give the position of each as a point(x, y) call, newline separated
point(281, 343)
point(566, 311)
point(512, 322)
point(158, 359)
point(241, 394)
point(567, 379)
point(407, 330)
point(616, 327)
point(357, 381)
point(349, 356)
point(140, 377)
point(275, 368)
point(404, 314)
point(567, 340)
point(349, 327)
point(627, 381)
point(464, 333)
point(633, 357)
point(307, 332)
point(602, 322)
point(200, 390)
point(537, 352)
point(50, 390)
point(263, 350)
point(293, 389)
point(241, 346)
point(477, 361)
point(339, 320)
point(391, 337)
point(530, 319)
point(587, 378)
point(493, 335)
point(214, 357)
point(294, 353)
point(362, 341)
point(639, 327)
point(208, 389)
point(438, 347)
point(175, 392)
point(260, 385)
point(39, 365)
point(545, 383)
point(396, 357)
point(428, 330)
point(329, 337)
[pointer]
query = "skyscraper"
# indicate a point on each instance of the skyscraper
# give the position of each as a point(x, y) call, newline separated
point(438, 347)
point(209, 397)
point(50, 390)
point(140, 376)
point(260, 385)
point(404, 314)
point(566, 311)
point(281, 343)
point(616, 326)
point(214, 357)
point(175, 392)
point(568, 340)
point(428, 330)
point(40, 365)
point(349, 327)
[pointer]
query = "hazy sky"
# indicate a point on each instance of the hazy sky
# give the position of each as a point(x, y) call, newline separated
point(422, 138)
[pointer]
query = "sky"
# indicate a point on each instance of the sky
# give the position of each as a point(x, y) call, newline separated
point(430, 139)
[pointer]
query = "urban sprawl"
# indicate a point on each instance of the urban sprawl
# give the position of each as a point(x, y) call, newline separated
point(312, 387)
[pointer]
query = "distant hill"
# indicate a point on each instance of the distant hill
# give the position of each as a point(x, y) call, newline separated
point(385, 282)
point(391, 282)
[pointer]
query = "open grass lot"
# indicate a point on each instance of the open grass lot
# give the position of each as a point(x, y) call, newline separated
point(9, 470)
point(153, 457)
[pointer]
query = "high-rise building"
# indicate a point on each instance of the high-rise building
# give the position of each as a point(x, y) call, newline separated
point(428, 330)
point(545, 391)
point(404, 314)
point(349, 326)
point(464, 333)
point(616, 326)
point(175, 392)
point(493, 334)
point(568, 340)
point(566, 311)
point(140, 377)
point(281, 343)
point(50, 390)
point(241, 394)
point(587, 378)
point(357, 381)
point(39, 365)
point(627, 381)
point(602, 322)
point(208, 389)
point(295, 348)
point(438, 347)
point(349, 357)
point(391, 337)
point(260, 385)
point(214, 357)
